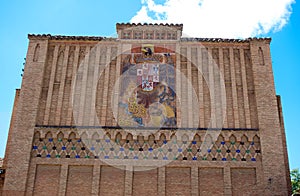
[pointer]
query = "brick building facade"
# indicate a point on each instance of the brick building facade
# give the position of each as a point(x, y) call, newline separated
point(147, 113)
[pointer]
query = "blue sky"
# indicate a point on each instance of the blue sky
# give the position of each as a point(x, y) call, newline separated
point(236, 19)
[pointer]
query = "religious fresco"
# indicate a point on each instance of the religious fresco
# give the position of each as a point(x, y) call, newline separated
point(148, 97)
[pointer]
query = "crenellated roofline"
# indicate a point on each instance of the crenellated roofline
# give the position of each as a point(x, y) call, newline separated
point(66, 37)
point(195, 39)
point(147, 31)
point(128, 25)
point(183, 39)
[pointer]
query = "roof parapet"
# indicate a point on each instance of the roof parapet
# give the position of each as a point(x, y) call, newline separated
point(121, 26)
point(195, 39)
point(64, 37)
point(183, 39)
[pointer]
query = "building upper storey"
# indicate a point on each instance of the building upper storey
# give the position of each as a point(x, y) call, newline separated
point(209, 64)
point(149, 31)
point(132, 31)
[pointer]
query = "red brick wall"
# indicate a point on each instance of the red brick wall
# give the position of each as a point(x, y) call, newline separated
point(47, 180)
point(178, 181)
point(111, 181)
point(211, 181)
point(145, 182)
point(79, 180)
point(243, 181)
point(44, 99)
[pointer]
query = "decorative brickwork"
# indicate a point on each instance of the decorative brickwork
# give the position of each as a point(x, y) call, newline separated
point(120, 145)
point(147, 113)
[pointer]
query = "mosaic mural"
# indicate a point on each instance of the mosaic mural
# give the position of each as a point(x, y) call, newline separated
point(148, 98)
point(115, 145)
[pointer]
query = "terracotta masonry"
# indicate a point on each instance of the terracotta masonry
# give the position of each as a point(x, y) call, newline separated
point(147, 113)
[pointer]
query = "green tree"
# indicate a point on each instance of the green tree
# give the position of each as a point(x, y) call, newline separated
point(295, 178)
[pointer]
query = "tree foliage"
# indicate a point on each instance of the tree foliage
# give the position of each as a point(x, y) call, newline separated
point(295, 178)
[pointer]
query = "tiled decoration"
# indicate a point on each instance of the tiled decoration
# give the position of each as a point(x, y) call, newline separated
point(147, 97)
point(162, 145)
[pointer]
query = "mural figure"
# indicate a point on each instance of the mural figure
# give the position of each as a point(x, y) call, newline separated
point(147, 95)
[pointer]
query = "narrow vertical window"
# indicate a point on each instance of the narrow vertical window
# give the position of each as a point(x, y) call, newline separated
point(261, 56)
point(36, 53)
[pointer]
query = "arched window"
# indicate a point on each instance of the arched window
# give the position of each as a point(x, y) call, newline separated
point(261, 56)
point(36, 53)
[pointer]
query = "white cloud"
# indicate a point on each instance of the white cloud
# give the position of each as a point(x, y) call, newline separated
point(218, 18)
point(142, 16)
